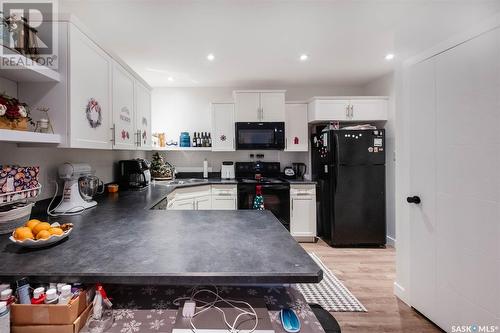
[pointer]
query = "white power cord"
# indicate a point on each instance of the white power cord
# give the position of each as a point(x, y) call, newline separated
point(67, 212)
point(218, 299)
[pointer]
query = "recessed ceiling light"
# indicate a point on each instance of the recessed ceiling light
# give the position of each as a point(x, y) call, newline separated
point(170, 78)
point(210, 57)
point(389, 56)
point(304, 57)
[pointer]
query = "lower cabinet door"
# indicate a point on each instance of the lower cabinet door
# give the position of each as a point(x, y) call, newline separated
point(223, 203)
point(203, 203)
point(303, 218)
point(182, 204)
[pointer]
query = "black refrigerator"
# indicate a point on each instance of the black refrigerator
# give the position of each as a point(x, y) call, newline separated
point(349, 167)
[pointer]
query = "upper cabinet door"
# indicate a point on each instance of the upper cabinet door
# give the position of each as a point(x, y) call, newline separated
point(223, 130)
point(272, 106)
point(143, 116)
point(328, 109)
point(368, 109)
point(296, 127)
point(247, 106)
point(123, 109)
point(90, 93)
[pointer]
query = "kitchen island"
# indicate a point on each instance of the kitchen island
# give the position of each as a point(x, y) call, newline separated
point(122, 240)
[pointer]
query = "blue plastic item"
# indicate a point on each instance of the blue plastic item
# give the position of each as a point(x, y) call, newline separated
point(185, 140)
point(290, 321)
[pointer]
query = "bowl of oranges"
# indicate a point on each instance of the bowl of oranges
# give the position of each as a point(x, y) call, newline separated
point(36, 233)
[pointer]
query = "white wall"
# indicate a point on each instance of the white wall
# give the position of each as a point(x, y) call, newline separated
point(384, 86)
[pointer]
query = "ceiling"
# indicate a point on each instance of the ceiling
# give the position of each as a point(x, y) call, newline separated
point(258, 43)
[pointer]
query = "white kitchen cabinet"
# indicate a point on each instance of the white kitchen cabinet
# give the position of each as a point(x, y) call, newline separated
point(296, 131)
point(81, 104)
point(203, 202)
point(224, 197)
point(90, 113)
point(181, 204)
point(124, 133)
point(272, 105)
point(223, 131)
point(321, 109)
point(143, 116)
point(303, 212)
point(255, 106)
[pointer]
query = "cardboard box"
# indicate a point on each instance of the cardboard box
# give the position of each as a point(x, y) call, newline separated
point(49, 314)
point(75, 327)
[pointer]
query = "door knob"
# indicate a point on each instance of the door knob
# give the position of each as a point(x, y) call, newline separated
point(415, 199)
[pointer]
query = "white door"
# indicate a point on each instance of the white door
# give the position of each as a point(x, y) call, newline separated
point(90, 93)
point(247, 106)
point(468, 182)
point(123, 109)
point(223, 131)
point(455, 158)
point(296, 127)
point(303, 217)
point(182, 204)
point(203, 202)
point(368, 109)
point(143, 116)
point(223, 203)
point(272, 106)
point(422, 101)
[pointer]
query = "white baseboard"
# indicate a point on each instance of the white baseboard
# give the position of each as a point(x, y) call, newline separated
point(401, 293)
point(391, 241)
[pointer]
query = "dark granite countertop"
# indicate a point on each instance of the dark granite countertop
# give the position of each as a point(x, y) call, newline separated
point(123, 241)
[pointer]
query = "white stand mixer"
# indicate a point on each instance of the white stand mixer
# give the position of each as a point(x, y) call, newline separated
point(80, 185)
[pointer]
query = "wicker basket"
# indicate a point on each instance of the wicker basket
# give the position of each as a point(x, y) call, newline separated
point(15, 217)
point(18, 125)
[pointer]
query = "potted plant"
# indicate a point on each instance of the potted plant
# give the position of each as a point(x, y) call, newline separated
point(14, 115)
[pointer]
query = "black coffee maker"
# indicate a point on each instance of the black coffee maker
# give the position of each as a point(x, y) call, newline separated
point(299, 170)
point(134, 174)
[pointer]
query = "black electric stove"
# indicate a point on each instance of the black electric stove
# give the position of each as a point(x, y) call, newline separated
point(275, 191)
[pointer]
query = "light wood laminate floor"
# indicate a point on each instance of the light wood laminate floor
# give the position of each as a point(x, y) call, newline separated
point(369, 274)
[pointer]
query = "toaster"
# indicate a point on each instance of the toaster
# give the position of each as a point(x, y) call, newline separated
point(227, 170)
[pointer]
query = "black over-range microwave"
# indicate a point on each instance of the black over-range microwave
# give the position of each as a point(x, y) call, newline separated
point(260, 135)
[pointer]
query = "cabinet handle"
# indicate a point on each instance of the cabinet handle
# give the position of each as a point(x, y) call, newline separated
point(113, 130)
point(352, 111)
point(139, 143)
point(347, 111)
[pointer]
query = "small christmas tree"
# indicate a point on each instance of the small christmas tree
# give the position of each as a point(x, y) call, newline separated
point(159, 168)
point(258, 201)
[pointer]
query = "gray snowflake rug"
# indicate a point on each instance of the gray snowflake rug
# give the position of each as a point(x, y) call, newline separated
point(330, 293)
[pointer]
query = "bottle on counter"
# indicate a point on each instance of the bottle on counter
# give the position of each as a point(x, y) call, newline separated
point(7, 297)
point(209, 139)
point(23, 291)
point(51, 296)
point(205, 168)
point(38, 296)
point(198, 141)
point(65, 295)
point(4, 317)
point(195, 140)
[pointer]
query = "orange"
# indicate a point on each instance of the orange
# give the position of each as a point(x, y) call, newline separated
point(40, 226)
point(23, 233)
point(56, 231)
point(44, 234)
point(32, 223)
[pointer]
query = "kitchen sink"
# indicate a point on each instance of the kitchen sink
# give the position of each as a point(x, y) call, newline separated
point(183, 181)
point(197, 180)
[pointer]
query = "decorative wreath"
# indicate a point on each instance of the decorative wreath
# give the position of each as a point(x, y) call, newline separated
point(93, 113)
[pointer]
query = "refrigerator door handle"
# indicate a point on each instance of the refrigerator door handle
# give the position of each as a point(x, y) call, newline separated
point(337, 163)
